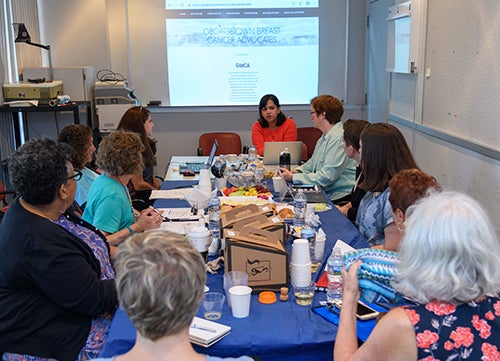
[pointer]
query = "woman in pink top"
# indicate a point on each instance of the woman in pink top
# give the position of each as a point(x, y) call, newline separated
point(272, 125)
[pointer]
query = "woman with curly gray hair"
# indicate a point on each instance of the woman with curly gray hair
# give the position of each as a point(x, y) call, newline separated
point(57, 294)
point(109, 206)
point(449, 264)
point(160, 281)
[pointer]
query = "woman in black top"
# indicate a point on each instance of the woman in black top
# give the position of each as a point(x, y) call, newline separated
point(51, 287)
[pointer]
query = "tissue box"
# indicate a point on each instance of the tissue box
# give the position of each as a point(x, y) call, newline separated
point(260, 254)
point(274, 224)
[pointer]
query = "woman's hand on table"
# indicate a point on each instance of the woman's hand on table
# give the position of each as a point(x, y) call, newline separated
point(149, 218)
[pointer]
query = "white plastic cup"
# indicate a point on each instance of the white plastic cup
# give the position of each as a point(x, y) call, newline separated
point(300, 251)
point(278, 184)
point(234, 278)
point(300, 273)
point(240, 301)
point(205, 183)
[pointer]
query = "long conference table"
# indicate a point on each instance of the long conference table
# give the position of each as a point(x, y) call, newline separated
point(279, 331)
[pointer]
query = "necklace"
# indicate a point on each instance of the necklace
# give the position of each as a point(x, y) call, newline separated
point(125, 189)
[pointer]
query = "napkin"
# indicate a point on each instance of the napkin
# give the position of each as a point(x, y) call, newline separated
point(198, 198)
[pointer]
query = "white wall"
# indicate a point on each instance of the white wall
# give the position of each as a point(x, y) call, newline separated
point(93, 32)
point(459, 108)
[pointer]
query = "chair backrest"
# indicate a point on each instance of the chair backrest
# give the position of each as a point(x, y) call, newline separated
point(309, 136)
point(229, 143)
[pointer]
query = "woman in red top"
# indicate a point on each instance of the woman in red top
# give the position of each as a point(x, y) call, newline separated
point(272, 125)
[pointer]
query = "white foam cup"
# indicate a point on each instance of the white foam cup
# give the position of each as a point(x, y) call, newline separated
point(300, 251)
point(240, 301)
point(300, 273)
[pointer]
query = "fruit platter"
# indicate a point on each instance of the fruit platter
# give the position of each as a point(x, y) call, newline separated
point(258, 191)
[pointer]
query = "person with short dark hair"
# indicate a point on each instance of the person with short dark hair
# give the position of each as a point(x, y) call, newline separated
point(449, 259)
point(350, 141)
point(329, 167)
point(161, 280)
point(273, 125)
point(57, 293)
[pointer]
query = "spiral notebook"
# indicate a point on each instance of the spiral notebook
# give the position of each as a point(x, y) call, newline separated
point(205, 333)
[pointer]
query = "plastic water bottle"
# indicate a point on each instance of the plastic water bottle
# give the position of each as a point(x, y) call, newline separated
point(285, 159)
point(252, 154)
point(299, 208)
point(214, 223)
point(335, 288)
point(309, 233)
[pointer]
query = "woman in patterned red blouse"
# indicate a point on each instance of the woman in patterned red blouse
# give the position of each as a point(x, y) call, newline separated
point(449, 265)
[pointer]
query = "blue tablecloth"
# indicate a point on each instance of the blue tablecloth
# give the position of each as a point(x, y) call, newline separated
point(280, 331)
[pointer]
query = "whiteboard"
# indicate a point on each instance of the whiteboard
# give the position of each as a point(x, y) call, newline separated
point(463, 77)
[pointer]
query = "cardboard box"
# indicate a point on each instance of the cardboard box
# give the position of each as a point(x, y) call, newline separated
point(229, 218)
point(274, 224)
point(259, 253)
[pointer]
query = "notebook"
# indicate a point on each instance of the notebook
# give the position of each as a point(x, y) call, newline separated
point(205, 333)
point(272, 152)
point(196, 166)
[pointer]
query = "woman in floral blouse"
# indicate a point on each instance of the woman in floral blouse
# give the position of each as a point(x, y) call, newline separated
point(449, 265)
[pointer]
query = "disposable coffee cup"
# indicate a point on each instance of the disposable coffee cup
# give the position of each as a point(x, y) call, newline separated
point(300, 252)
point(200, 238)
point(240, 301)
point(234, 278)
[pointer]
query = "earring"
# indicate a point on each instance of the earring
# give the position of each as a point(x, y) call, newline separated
point(398, 226)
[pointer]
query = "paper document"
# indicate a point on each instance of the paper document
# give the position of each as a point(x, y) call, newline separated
point(170, 193)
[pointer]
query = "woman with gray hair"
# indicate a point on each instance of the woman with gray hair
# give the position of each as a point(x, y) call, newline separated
point(160, 282)
point(449, 264)
point(56, 299)
point(109, 206)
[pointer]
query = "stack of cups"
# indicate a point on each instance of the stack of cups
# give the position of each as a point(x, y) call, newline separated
point(300, 265)
point(204, 184)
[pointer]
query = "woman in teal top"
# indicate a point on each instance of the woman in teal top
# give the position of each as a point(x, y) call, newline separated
point(109, 206)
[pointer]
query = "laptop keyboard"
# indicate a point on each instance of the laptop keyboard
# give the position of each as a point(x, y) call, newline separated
point(193, 167)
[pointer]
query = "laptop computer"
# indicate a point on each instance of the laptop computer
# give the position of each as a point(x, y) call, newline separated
point(272, 152)
point(195, 167)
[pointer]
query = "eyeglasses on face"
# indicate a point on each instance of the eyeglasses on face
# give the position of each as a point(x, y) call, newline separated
point(77, 175)
point(313, 112)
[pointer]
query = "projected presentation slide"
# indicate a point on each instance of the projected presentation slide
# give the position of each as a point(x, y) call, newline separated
point(233, 57)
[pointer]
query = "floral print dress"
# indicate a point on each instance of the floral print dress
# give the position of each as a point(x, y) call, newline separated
point(457, 332)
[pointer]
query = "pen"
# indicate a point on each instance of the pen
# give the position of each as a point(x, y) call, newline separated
point(208, 329)
point(157, 211)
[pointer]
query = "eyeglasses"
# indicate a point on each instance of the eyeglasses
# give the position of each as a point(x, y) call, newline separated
point(314, 112)
point(77, 175)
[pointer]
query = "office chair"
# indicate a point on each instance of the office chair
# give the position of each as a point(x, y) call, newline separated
point(309, 136)
point(229, 143)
